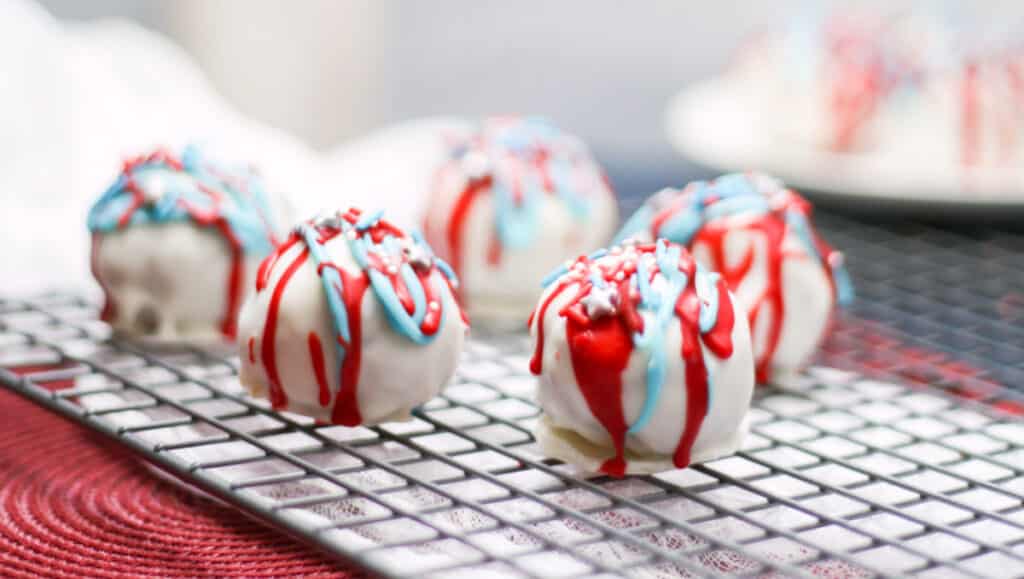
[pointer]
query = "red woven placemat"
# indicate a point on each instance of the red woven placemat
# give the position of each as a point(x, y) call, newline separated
point(74, 505)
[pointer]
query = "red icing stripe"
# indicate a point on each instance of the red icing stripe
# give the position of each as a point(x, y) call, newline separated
point(316, 355)
point(109, 309)
point(278, 398)
point(600, 349)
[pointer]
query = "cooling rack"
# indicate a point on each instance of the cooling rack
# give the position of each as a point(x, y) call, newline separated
point(901, 454)
point(842, 475)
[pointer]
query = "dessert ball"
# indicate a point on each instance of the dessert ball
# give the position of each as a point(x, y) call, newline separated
point(643, 364)
point(516, 198)
point(353, 321)
point(175, 241)
point(758, 235)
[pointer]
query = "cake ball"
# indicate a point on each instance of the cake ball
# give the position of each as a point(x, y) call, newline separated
point(642, 363)
point(175, 242)
point(353, 321)
point(758, 235)
point(516, 198)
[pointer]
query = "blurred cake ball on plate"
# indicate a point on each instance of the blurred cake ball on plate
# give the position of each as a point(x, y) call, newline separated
point(922, 83)
point(758, 235)
point(175, 242)
point(353, 321)
point(516, 198)
point(643, 362)
point(828, 78)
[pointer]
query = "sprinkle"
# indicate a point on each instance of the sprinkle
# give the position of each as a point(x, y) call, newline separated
point(434, 306)
point(416, 254)
point(600, 302)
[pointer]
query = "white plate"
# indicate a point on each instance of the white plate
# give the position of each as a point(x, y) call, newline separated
point(708, 123)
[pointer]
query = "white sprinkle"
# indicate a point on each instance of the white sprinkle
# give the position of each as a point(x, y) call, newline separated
point(434, 306)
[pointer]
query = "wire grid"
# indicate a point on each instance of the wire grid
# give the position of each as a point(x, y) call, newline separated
point(840, 476)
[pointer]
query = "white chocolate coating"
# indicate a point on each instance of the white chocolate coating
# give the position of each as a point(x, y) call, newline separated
point(167, 274)
point(503, 290)
point(168, 282)
point(807, 295)
point(571, 432)
point(395, 374)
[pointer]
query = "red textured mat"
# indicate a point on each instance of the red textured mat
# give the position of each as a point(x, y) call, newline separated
point(75, 506)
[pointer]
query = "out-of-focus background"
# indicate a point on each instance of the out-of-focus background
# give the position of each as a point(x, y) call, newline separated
point(289, 85)
point(331, 70)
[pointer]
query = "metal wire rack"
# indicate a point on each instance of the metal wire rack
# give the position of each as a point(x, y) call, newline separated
point(903, 454)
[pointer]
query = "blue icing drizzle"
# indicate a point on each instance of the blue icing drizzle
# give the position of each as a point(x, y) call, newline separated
point(733, 194)
point(662, 303)
point(518, 221)
point(245, 211)
point(333, 284)
point(361, 245)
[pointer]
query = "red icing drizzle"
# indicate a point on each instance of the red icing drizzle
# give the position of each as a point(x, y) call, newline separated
point(351, 291)
point(109, 310)
point(600, 347)
point(452, 242)
point(316, 355)
point(772, 226)
point(278, 398)
point(211, 218)
point(252, 350)
point(346, 408)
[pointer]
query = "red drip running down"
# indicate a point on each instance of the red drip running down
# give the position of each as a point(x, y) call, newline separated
point(452, 242)
point(109, 309)
point(772, 228)
point(278, 398)
point(352, 290)
point(252, 350)
point(600, 348)
point(316, 355)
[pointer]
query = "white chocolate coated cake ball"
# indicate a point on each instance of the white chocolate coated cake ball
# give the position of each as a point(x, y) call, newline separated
point(516, 198)
point(758, 235)
point(175, 241)
point(643, 363)
point(353, 321)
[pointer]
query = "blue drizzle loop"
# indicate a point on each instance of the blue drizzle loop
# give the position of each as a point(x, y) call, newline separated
point(245, 211)
point(524, 141)
point(726, 196)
